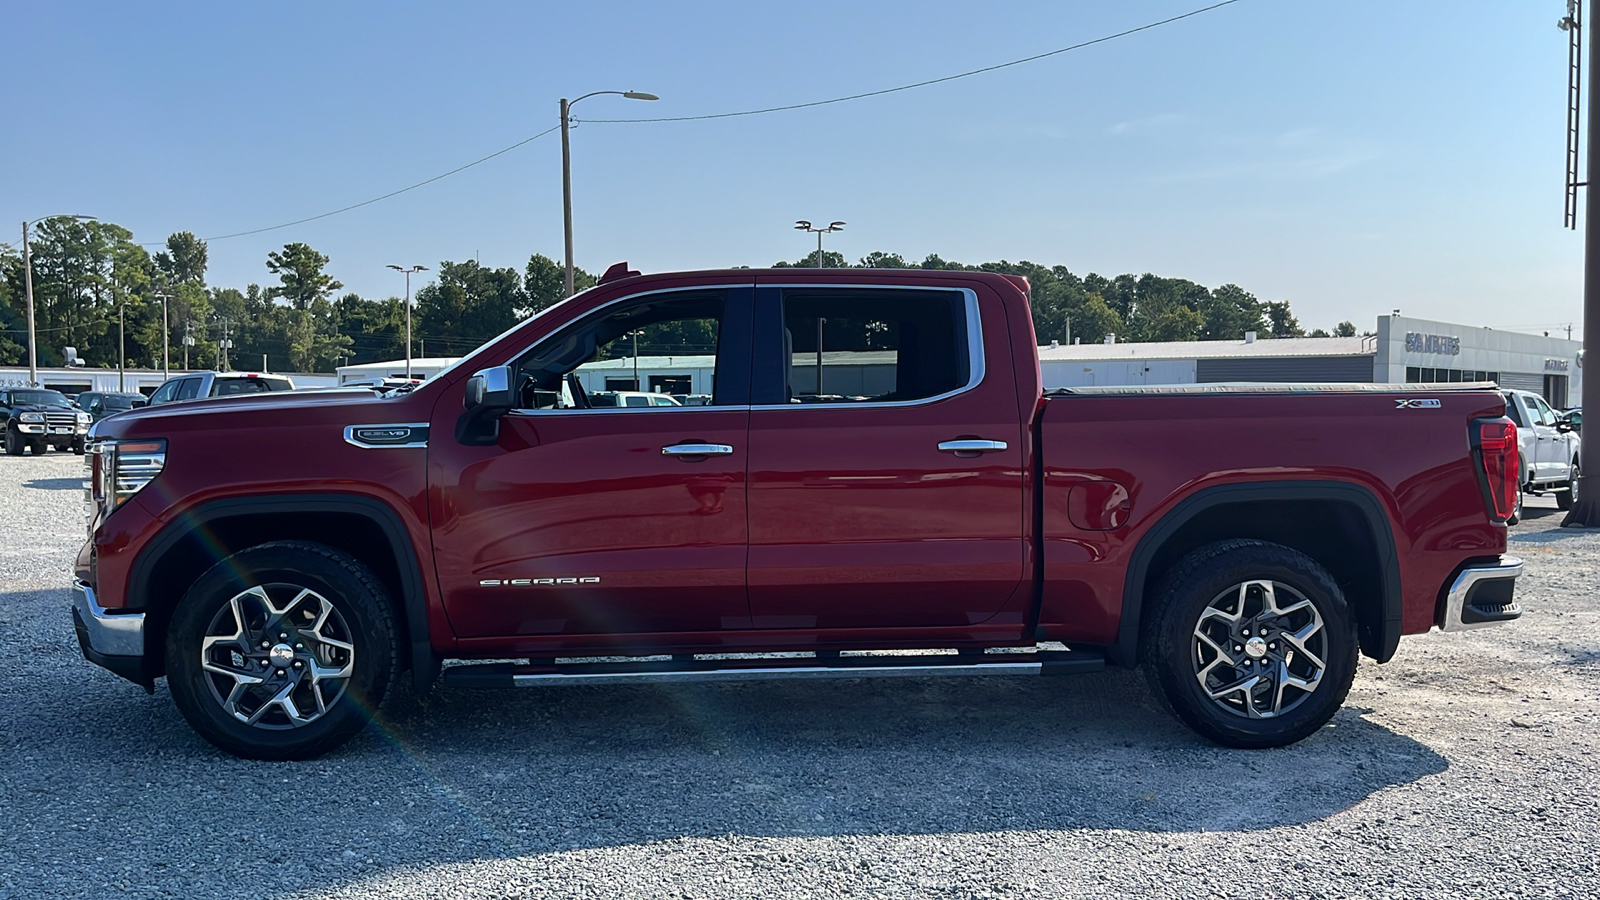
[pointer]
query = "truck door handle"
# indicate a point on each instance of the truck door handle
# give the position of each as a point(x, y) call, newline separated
point(696, 450)
point(972, 446)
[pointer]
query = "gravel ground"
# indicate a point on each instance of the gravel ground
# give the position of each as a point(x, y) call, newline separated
point(1465, 768)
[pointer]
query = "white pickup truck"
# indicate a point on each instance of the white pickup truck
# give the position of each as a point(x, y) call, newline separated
point(1548, 449)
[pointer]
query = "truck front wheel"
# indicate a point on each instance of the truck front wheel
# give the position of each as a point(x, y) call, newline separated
point(282, 651)
point(1252, 644)
point(13, 443)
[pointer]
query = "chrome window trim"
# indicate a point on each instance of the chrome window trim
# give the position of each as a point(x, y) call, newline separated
point(975, 356)
point(607, 305)
point(350, 430)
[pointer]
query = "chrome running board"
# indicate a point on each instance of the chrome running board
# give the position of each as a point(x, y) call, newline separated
point(704, 668)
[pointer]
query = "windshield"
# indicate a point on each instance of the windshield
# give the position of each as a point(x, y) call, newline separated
point(113, 401)
point(40, 398)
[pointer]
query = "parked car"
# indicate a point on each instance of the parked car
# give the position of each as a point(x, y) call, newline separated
point(35, 418)
point(282, 560)
point(1549, 450)
point(631, 398)
point(217, 384)
point(99, 404)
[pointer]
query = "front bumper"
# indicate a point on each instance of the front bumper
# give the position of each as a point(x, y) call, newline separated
point(114, 641)
point(1482, 596)
point(55, 431)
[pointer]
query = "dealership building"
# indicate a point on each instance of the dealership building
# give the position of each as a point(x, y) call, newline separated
point(1401, 350)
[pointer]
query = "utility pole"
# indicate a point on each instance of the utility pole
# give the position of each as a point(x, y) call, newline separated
point(188, 341)
point(121, 347)
point(1585, 510)
point(803, 225)
point(566, 174)
point(636, 360)
point(27, 280)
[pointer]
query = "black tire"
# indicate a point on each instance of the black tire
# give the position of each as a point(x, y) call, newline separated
point(13, 443)
point(364, 621)
point(1174, 655)
point(78, 446)
point(38, 445)
point(1567, 498)
point(1516, 511)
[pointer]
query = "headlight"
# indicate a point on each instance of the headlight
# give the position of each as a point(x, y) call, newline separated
point(31, 417)
point(120, 468)
point(84, 418)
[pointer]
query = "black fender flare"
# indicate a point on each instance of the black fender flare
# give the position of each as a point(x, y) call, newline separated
point(1384, 641)
point(413, 599)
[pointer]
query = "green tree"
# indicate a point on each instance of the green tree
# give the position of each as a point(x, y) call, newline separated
point(469, 304)
point(1345, 329)
point(545, 282)
point(302, 280)
point(184, 262)
point(1284, 324)
point(1229, 312)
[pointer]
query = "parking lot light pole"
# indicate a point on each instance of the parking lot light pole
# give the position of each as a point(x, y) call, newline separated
point(803, 225)
point(166, 359)
point(408, 272)
point(27, 281)
point(566, 168)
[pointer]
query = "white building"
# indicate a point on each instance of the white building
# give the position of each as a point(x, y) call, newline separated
point(1401, 350)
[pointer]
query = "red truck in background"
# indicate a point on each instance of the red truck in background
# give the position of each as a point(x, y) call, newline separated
point(878, 470)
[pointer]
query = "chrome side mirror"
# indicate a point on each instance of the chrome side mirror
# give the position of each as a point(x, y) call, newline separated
point(488, 397)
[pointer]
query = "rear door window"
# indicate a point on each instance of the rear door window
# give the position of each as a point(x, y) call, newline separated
point(225, 387)
point(188, 388)
point(872, 345)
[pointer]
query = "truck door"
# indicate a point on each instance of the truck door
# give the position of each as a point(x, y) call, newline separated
point(1555, 451)
point(885, 460)
point(604, 520)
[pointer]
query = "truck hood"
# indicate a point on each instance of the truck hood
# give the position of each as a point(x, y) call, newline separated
point(41, 407)
point(359, 404)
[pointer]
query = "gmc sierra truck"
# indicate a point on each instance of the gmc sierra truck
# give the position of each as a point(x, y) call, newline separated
point(879, 486)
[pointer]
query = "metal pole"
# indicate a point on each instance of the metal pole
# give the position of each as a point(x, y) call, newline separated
point(27, 280)
point(820, 320)
point(636, 361)
point(166, 360)
point(819, 257)
point(566, 189)
point(408, 324)
point(121, 349)
point(1586, 511)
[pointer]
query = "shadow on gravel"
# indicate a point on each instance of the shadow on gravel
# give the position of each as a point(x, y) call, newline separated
point(98, 769)
point(55, 484)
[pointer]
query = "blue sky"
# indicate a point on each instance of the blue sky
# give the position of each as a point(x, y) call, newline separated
point(1350, 156)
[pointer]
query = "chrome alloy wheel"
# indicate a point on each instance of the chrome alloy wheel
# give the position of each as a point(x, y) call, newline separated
point(277, 656)
point(1259, 649)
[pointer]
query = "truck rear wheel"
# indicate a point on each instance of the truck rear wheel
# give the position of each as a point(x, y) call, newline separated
point(282, 651)
point(13, 443)
point(1565, 499)
point(1250, 643)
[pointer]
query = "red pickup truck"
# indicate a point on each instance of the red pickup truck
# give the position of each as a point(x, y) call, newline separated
point(878, 486)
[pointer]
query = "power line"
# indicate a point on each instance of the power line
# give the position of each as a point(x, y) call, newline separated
point(345, 209)
point(931, 81)
point(729, 115)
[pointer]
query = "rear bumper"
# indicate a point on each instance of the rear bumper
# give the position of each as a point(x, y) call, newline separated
point(1482, 596)
point(114, 641)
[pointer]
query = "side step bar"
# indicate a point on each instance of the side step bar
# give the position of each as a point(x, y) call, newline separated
point(758, 667)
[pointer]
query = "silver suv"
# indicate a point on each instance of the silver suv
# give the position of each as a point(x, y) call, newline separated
point(217, 384)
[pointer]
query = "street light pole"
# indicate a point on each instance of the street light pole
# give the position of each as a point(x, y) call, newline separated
point(803, 225)
point(166, 360)
point(27, 281)
point(408, 272)
point(566, 170)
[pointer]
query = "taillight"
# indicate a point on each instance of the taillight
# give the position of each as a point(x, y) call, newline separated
point(1496, 441)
